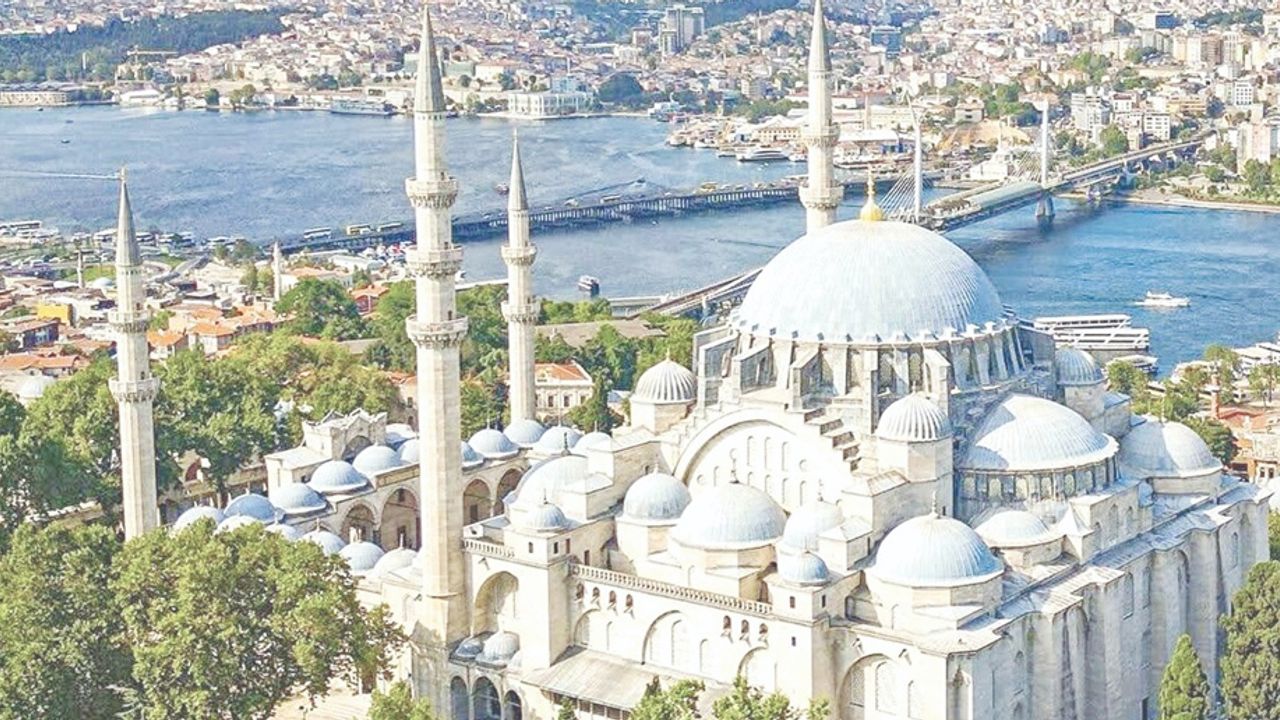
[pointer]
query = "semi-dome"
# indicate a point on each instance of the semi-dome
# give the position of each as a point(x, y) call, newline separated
point(335, 477)
point(408, 451)
point(524, 432)
point(394, 560)
point(193, 515)
point(361, 556)
point(254, 506)
point(558, 439)
point(808, 522)
point(657, 498)
point(914, 418)
point(666, 382)
point(1030, 433)
point(860, 281)
point(930, 550)
point(297, 499)
point(468, 649)
point(493, 445)
point(802, 568)
point(1076, 367)
point(728, 517)
point(375, 459)
point(1155, 449)
point(594, 440)
point(32, 387)
point(470, 458)
point(398, 433)
point(327, 541)
point(235, 522)
point(288, 532)
point(1009, 527)
point(499, 648)
point(544, 517)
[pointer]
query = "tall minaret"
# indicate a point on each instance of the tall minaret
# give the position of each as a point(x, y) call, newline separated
point(437, 332)
point(135, 388)
point(277, 272)
point(821, 193)
point(521, 308)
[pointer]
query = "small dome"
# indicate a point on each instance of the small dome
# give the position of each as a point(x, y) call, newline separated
point(914, 418)
point(297, 499)
point(335, 477)
point(470, 458)
point(288, 532)
point(593, 441)
point(1012, 528)
point(543, 518)
point(666, 382)
point(361, 556)
point(1076, 367)
point(1030, 433)
point(557, 440)
point(499, 648)
point(409, 452)
point(376, 459)
point(394, 560)
point(235, 522)
point(728, 517)
point(802, 568)
point(493, 445)
point(468, 649)
point(193, 515)
point(932, 550)
point(399, 433)
point(32, 387)
point(1155, 449)
point(542, 482)
point(524, 432)
point(808, 522)
point(656, 497)
point(254, 506)
point(327, 541)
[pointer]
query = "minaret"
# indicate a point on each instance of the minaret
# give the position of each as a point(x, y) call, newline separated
point(437, 332)
point(277, 272)
point(821, 193)
point(135, 388)
point(521, 308)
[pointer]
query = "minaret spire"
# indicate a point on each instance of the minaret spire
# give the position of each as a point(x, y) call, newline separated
point(521, 307)
point(134, 388)
point(437, 332)
point(821, 193)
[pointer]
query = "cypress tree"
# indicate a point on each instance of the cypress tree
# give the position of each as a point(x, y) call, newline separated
point(1251, 661)
point(1184, 690)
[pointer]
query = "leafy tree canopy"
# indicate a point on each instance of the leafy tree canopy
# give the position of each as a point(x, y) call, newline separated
point(397, 703)
point(322, 308)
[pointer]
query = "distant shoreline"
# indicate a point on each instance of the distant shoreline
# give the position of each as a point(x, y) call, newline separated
point(1155, 198)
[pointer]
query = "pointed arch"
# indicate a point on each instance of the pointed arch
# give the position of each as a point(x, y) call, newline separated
point(496, 605)
point(760, 670)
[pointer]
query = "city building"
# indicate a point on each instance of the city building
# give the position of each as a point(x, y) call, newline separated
point(679, 26)
point(559, 388)
point(535, 105)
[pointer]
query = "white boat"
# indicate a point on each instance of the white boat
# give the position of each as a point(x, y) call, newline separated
point(759, 154)
point(1163, 300)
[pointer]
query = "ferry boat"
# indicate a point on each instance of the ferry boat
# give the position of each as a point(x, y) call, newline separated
point(727, 152)
point(761, 155)
point(1052, 323)
point(360, 106)
point(1109, 332)
point(589, 285)
point(1148, 364)
point(501, 188)
point(1163, 300)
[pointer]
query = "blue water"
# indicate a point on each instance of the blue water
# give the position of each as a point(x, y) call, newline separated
point(270, 174)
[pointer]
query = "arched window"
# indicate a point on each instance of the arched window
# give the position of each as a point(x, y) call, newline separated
point(485, 704)
point(1235, 549)
point(850, 606)
point(629, 603)
point(727, 626)
point(595, 595)
point(763, 634)
point(578, 592)
point(512, 708)
point(459, 702)
point(613, 598)
point(744, 629)
point(886, 688)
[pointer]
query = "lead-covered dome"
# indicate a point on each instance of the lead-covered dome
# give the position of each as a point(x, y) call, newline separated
point(524, 432)
point(666, 382)
point(193, 515)
point(1076, 367)
point(594, 440)
point(335, 477)
point(1157, 449)
point(409, 451)
point(375, 459)
point(493, 445)
point(656, 498)
point(729, 517)
point(914, 418)
point(1012, 528)
point(543, 517)
point(499, 648)
point(470, 458)
point(808, 522)
point(329, 543)
point(931, 550)
point(394, 560)
point(297, 499)
point(361, 556)
point(288, 532)
point(802, 568)
point(557, 440)
point(856, 281)
point(253, 506)
point(1029, 433)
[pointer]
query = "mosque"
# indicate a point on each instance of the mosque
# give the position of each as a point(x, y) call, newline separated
point(875, 486)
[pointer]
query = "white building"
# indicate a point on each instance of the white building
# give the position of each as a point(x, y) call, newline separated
point(547, 104)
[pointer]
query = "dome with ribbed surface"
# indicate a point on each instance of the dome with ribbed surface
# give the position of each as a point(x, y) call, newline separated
point(499, 648)
point(376, 459)
point(808, 522)
point(468, 649)
point(802, 568)
point(493, 445)
point(666, 382)
point(327, 541)
point(288, 532)
point(394, 560)
point(1008, 527)
point(656, 498)
point(1030, 433)
point(595, 440)
point(543, 517)
point(254, 506)
point(193, 515)
point(297, 499)
point(361, 556)
point(470, 458)
point(558, 439)
point(335, 477)
point(1076, 367)
point(730, 517)
point(859, 281)
point(1155, 449)
point(931, 550)
point(524, 432)
point(914, 418)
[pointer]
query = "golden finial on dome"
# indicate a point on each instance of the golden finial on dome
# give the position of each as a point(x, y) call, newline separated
point(871, 212)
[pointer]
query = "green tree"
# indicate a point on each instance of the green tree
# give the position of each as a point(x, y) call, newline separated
point(482, 405)
point(322, 308)
point(1273, 534)
point(1250, 665)
point(1256, 175)
point(1215, 174)
point(1226, 367)
point(622, 89)
point(1113, 141)
point(1184, 689)
point(1216, 435)
point(679, 702)
point(1125, 377)
point(79, 414)
point(745, 702)
point(1263, 379)
point(566, 710)
point(397, 703)
point(61, 649)
point(226, 626)
point(250, 278)
point(595, 414)
point(160, 320)
point(393, 350)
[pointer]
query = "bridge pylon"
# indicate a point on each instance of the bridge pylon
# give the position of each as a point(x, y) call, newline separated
point(1044, 208)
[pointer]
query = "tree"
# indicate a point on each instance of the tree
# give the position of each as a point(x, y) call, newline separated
point(61, 649)
point(482, 405)
point(1226, 365)
point(1113, 141)
point(595, 414)
point(1263, 379)
point(1273, 535)
point(321, 308)
point(1184, 690)
point(80, 415)
point(749, 703)
point(1125, 377)
point(397, 703)
point(679, 702)
point(1256, 175)
point(621, 88)
point(226, 626)
point(1216, 435)
point(566, 711)
point(250, 278)
point(1250, 670)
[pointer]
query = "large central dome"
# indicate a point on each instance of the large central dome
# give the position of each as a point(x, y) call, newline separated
point(857, 280)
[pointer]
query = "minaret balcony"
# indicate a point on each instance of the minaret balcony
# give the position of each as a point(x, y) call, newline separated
point(435, 335)
point(128, 323)
point(823, 137)
point(436, 194)
point(521, 313)
point(134, 391)
point(520, 255)
point(434, 263)
point(827, 198)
